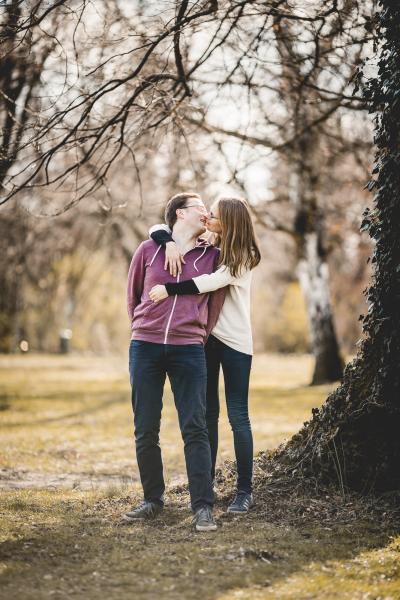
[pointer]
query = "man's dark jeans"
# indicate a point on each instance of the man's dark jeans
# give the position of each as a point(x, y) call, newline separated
point(236, 368)
point(185, 366)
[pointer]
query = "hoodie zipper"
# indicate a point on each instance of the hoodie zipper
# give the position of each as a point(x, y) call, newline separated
point(176, 295)
point(172, 312)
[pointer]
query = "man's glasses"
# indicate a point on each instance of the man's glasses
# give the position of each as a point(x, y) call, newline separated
point(210, 216)
point(193, 205)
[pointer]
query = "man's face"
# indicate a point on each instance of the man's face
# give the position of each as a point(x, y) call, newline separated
point(194, 215)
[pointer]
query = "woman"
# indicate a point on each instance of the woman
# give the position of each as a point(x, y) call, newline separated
point(230, 343)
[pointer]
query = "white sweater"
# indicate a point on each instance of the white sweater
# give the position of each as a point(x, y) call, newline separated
point(233, 327)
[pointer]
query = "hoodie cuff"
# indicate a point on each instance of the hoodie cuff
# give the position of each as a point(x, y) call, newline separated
point(161, 237)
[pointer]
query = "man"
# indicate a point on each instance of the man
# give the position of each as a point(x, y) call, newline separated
point(168, 339)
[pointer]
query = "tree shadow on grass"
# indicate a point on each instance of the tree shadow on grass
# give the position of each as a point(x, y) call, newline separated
point(120, 398)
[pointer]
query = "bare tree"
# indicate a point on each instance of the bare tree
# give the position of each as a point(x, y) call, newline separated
point(88, 120)
point(24, 52)
point(284, 75)
point(138, 76)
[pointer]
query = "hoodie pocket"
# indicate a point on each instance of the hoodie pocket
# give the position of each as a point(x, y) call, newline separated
point(186, 318)
point(152, 316)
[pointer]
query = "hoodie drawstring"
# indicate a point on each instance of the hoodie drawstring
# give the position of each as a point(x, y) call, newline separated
point(155, 254)
point(199, 257)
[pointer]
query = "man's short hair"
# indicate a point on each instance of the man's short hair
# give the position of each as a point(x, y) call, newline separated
point(176, 202)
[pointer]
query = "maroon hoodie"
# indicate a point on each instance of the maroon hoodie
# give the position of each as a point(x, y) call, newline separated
point(186, 319)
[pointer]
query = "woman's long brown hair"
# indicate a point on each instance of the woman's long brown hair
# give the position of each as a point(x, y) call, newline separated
point(237, 241)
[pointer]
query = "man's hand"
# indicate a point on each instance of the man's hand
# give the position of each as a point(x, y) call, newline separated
point(158, 292)
point(173, 259)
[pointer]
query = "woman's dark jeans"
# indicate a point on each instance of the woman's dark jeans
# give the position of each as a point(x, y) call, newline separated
point(236, 368)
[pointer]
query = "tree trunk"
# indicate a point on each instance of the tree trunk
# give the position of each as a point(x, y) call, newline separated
point(313, 274)
point(312, 266)
point(304, 158)
point(13, 233)
point(354, 440)
point(8, 314)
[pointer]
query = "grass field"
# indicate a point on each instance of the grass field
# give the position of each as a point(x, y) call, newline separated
point(67, 474)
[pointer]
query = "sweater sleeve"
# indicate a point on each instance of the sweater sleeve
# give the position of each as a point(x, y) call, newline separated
point(135, 281)
point(161, 234)
point(214, 281)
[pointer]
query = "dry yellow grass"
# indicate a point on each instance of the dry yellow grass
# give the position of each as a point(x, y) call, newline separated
point(66, 427)
point(70, 417)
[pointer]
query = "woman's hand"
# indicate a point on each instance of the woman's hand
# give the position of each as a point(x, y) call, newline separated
point(173, 259)
point(158, 292)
